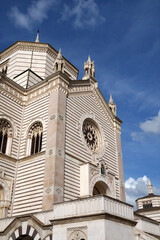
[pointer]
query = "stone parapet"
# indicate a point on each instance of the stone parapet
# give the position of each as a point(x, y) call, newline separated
point(93, 205)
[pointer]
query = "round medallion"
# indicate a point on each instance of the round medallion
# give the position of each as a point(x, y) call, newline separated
point(91, 135)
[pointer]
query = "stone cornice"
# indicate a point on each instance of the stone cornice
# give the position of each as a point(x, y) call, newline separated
point(58, 81)
point(81, 86)
point(93, 217)
point(8, 158)
point(22, 96)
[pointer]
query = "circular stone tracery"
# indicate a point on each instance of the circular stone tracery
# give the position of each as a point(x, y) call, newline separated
point(91, 135)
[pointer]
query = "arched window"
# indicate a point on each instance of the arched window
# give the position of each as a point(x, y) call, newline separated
point(100, 188)
point(5, 136)
point(35, 137)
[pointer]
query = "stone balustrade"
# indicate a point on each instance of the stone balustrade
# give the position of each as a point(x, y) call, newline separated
point(93, 205)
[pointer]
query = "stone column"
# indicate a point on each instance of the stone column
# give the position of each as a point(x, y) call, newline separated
point(9, 145)
point(55, 147)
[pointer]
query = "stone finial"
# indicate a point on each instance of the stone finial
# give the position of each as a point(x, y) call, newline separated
point(37, 38)
point(112, 105)
point(59, 62)
point(59, 56)
point(89, 69)
point(111, 99)
point(150, 188)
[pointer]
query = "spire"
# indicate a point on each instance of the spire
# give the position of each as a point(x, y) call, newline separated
point(111, 99)
point(37, 38)
point(112, 105)
point(150, 189)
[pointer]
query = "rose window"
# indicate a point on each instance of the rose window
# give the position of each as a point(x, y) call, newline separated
point(91, 135)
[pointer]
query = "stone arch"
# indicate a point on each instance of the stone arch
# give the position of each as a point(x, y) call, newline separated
point(49, 237)
point(6, 134)
point(28, 231)
point(34, 120)
point(100, 188)
point(104, 184)
point(77, 235)
point(29, 137)
point(11, 122)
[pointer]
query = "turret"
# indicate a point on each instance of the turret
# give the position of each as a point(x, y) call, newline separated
point(89, 69)
point(112, 105)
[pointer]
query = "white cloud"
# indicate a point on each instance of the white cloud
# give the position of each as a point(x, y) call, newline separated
point(138, 136)
point(84, 12)
point(136, 188)
point(36, 13)
point(152, 125)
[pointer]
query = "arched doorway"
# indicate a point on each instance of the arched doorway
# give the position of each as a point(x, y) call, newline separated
point(100, 188)
point(24, 237)
point(29, 233)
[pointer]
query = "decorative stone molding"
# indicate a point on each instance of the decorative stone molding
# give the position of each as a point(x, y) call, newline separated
point(12, 123)
point(34, 120)
point(40, 91)
point(105, 179)
point(93, 172)
point(78, 233)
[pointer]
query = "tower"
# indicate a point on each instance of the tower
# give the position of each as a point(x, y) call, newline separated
point(61, 167)
point(149, 205)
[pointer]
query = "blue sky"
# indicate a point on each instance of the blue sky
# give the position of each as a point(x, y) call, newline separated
point(123, 38)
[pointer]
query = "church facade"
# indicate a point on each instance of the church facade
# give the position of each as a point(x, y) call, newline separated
point(61, 168)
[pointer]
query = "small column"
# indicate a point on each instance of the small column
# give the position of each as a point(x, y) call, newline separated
point(28, 150)
point(9, 145)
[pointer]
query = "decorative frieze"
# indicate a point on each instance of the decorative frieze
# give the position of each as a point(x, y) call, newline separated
point(26, 97)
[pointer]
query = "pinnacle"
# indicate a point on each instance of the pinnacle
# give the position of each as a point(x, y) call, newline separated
point(111, 99)
point(37, 38)
point(59, 56)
